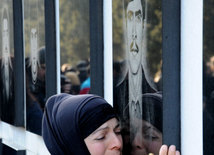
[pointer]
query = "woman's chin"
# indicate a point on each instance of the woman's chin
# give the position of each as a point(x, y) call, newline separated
point(139, 152)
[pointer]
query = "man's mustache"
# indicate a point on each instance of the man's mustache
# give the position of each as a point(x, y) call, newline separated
point(134, 47)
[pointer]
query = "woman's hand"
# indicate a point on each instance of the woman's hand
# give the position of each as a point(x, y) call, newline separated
point(164, 150)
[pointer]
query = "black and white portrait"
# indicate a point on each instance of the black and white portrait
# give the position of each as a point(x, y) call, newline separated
point(136, 79)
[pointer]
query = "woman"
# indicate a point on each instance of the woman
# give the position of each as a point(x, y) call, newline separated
point(82, 125)
point(148, 127)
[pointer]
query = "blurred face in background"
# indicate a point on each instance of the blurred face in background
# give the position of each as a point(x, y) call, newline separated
point(147, 139)
point(211, 64)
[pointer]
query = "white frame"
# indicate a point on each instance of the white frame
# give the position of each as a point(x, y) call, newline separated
point(108, 58)
point(20, 139)
point(58, 45)
point(191, 77)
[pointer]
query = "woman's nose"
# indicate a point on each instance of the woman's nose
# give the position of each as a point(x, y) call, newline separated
point(138, 142)
point(116, 142)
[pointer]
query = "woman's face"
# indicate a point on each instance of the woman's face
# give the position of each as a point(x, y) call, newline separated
point(106, 140)
point(148, 140)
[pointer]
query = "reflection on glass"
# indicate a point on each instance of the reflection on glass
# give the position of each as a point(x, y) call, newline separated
point(137, 73)
point(75, 50)
point(147, 129)
point(34, 59)
point(34, 33)
point(208, 78)
point(6, 62)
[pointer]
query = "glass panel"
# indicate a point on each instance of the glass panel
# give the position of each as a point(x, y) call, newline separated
point(6, 61)
point(208, 78)
point(75, 47)
point(34, 33)
point(137, 63)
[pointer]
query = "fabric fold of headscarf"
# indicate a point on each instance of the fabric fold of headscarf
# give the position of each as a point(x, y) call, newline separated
point(69, 119)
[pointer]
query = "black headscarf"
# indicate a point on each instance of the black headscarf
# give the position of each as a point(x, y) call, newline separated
point(152, 109)
point(69, 119)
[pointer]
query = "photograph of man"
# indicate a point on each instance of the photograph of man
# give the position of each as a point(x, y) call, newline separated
point(128, 92)
point(6, 68)
point(6, 64)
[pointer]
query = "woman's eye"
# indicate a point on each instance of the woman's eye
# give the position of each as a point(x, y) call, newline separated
point(154, 137)
point(100, 138)
point(118, 132)
point(150, 137)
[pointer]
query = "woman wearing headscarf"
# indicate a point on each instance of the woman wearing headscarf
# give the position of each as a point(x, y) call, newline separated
point(148, 128)
point(81, 125)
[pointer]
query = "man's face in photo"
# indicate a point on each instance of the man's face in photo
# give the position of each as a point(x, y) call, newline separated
point(134, 34)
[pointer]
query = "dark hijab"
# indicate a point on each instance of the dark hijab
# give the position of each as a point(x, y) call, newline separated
point(69, 119)
point(152, 109)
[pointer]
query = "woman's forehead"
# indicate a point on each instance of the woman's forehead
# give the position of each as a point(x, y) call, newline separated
point(112, 123)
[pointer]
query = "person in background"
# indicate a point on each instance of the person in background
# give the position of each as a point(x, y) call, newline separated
point(84, 125)
point(65, 67)
point(82, 68)
point(65, 84)
point(86, 85)
point(208, 106)
point(75, 82)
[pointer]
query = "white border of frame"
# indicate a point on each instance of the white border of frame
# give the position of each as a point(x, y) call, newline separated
point(58, 46)
point(20, 139)
point(191, 77)
point(108, 58)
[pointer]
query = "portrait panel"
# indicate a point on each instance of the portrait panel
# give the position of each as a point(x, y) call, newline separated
point(35, 63)
point(7, 62)
point(137, 49)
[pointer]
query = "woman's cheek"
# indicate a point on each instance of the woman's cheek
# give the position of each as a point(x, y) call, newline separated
point(97, 148)
point(154, 147)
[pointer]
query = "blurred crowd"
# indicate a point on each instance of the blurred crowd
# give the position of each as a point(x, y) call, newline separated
point(76, 80)
point(208, 105)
